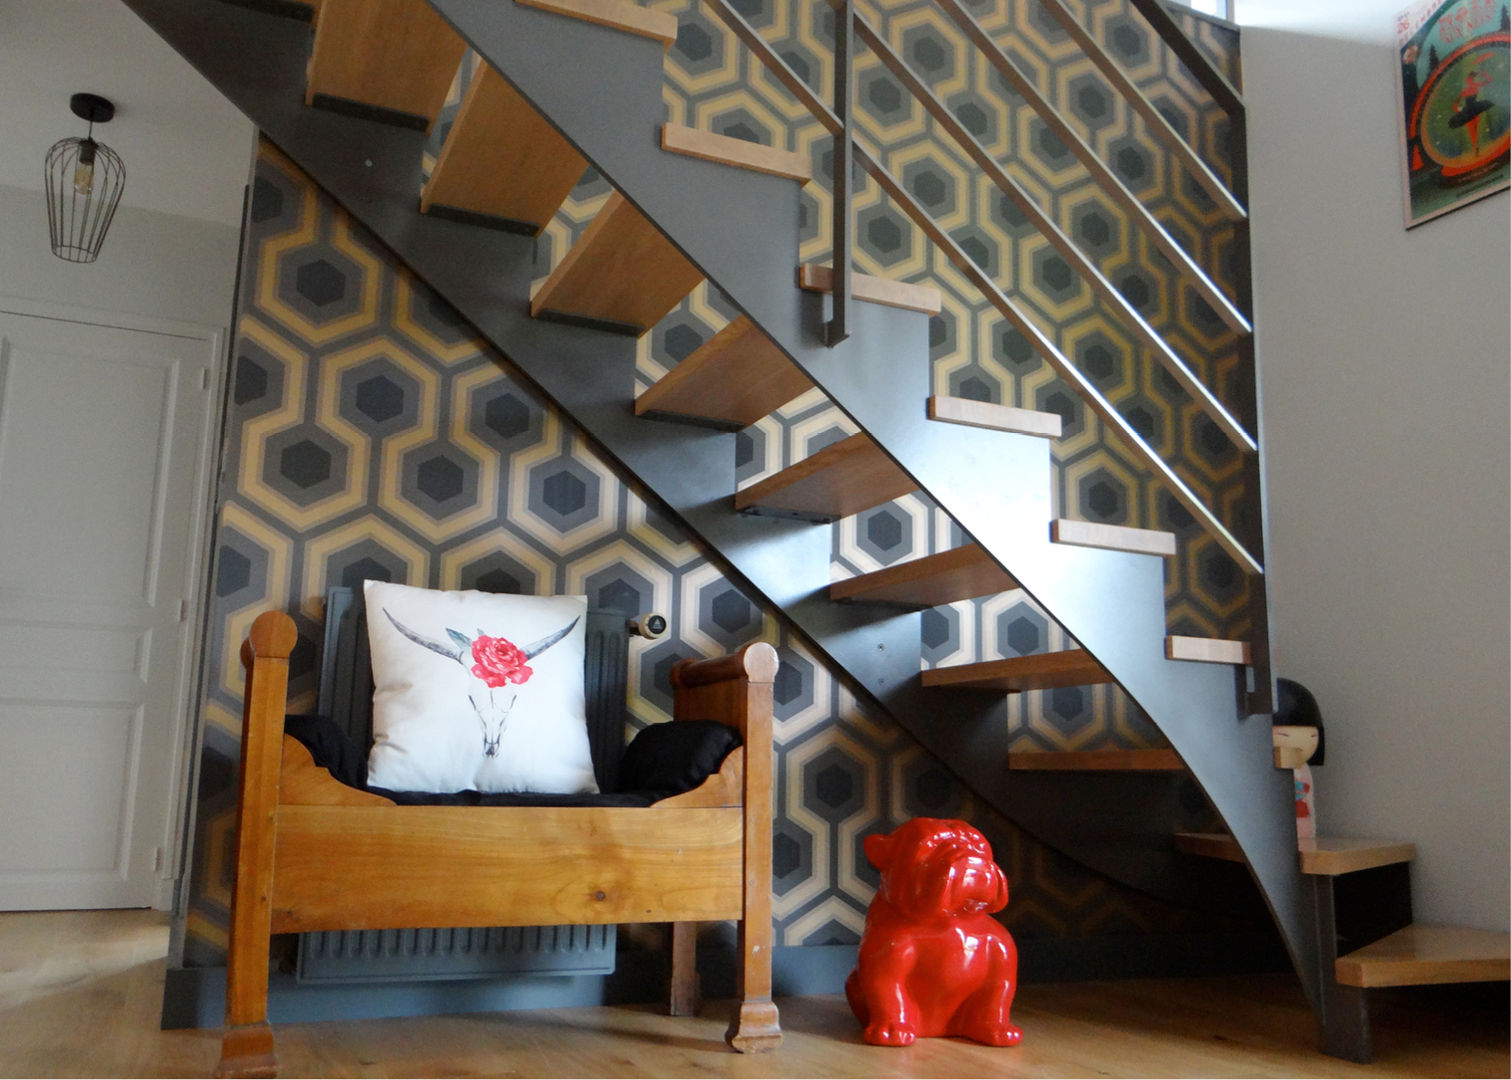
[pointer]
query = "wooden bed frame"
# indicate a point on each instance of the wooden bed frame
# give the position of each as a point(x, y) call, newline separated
point(314, 854)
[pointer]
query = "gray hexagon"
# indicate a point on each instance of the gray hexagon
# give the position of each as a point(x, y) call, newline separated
point(929, 790)
point(379, 397)
point(979, 246)
point(931, 185)
point(499, 572)
point(885, 533)
point(975, 384)
point(366, 560)
point(750, 453)
point(940, 633)
point(834, 785)
point(1057, 399)
point(241, 568)
point(792, 691)
point(564, 492)
point(506, 418)
point(1103, 360)
point(791, 856)
point(699, 46)
point(320, 283)
point(619, 587)
point(1101, 496)
point(257, 386)
point(975, 116)
point(304, 464)
point(1022, 631)
point(727, 616)
point(1091, 101)
point(884, 235)
point(1053, 275)
point(1013, 349)
point(440, 479)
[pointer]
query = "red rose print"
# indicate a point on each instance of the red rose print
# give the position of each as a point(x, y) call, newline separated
point(499, 661)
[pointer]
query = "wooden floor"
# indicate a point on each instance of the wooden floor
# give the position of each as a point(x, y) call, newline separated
point(80, 994)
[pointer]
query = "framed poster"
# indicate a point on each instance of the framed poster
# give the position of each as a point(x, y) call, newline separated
point(1454, 79)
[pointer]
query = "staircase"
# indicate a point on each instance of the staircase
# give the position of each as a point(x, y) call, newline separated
point(572, 83)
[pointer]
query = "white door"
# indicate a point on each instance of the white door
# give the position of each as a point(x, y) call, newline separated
point(103, 442)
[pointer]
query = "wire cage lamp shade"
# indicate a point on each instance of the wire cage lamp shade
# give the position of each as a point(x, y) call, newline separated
point(85, 179)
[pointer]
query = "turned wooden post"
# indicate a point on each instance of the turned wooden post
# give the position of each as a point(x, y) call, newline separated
point(247, 1044)
point(740, 687)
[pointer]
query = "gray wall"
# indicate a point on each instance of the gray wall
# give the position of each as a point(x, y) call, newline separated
point(1385, 358)
point(152, 264)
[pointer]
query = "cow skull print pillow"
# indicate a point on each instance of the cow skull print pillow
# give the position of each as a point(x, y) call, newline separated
point(480, 691)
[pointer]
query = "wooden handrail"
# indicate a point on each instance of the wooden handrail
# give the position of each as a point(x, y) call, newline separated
point(1051, 231)
point(1158, 125)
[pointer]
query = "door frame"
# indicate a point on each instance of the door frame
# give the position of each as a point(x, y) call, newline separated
point(184, 734)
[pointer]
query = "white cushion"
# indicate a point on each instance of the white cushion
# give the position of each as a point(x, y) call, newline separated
point(479, 691)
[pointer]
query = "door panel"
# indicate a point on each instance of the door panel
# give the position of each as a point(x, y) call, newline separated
point(102, 440)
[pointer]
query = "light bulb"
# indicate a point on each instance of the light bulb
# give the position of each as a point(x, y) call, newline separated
point(83, 171)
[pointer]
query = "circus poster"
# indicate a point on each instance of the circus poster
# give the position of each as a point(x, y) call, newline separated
point(1455, 96)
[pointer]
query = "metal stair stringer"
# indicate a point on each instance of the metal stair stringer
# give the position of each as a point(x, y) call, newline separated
point(373, 171)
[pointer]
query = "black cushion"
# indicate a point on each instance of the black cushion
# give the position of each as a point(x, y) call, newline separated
point(675, 757)
point(661, 761)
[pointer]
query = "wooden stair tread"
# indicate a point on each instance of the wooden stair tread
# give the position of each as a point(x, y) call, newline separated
point(841, 479)
point(1324, 856)
point(731, 380)
point(740, 153)
point(1042, 671)
point(502, 159)
point(984, 414)
point(617, 15)
point(396, 56)
point(942, 578)
point(1112, 537)
point(1206, 650)
point(1422, 954)
point(622, 272)
point(1148, 760)
point(900, 294)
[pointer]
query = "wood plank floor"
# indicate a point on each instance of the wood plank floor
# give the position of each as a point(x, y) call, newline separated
point(80, 994)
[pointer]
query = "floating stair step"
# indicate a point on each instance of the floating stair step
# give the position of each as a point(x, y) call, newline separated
point(841, 479)
point(1043, 671)
point(389, 60)
point(900, 294)
point(957, 574)
point(730, 381)
point(741, 153)
point(1324, 856)
point(502, 163)
point(622, 274)
point(1112, 537)
point(1206, 650)
point(617, 15)
point(1420, 955)
point(1155, 760)
point(983, 414)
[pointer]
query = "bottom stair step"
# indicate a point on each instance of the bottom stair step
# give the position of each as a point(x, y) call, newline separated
point(1421, 955)
point(1155, 760)
point(1325, 856)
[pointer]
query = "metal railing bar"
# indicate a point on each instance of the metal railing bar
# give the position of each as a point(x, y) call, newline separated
point(1056, 359)
point(1046, 225)
point(843, 160)
point(1196, 61)
point(1158, 125)
point(752, 39)
point(1131, 204)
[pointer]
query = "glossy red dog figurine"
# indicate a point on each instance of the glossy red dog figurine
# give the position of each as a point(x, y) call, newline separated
point(933, 961)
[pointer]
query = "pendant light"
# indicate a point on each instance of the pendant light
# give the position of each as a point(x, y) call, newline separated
point(85, 179)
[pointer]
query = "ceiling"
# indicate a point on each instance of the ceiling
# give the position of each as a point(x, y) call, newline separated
point(187, 149)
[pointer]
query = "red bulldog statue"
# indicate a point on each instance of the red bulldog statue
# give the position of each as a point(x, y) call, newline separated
point(933, 961)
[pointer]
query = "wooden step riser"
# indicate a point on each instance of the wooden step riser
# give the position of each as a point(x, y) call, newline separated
point(622, 274)
point(736, 153)
point(630, 18)
point(843, 478)
point(729, 382)
point(958, 574)
point(502, 163)
point(875, 290)
point(390, 60)
point(983, 414)
point(1111, 537)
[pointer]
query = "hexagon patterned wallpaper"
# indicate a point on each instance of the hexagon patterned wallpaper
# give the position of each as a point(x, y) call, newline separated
point(371, 434)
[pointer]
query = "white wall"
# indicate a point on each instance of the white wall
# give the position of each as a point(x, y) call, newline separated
point(1386, 372)
point(158, 265)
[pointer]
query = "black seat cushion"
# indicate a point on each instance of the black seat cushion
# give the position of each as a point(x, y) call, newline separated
point(661, 761)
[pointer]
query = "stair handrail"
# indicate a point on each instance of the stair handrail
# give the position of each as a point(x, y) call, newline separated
point(1010, 310)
